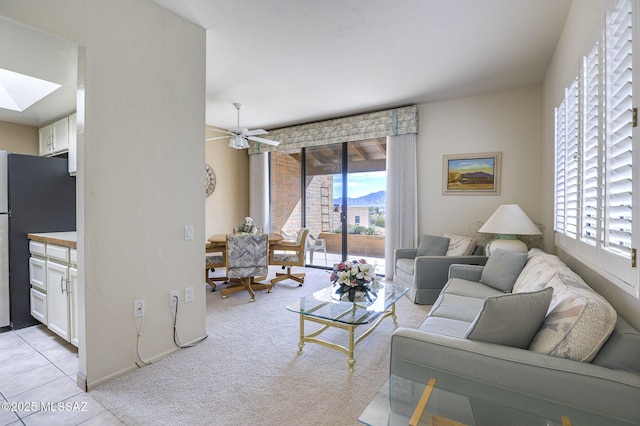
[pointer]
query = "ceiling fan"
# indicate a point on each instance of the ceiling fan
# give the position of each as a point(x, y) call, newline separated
point(239, 136)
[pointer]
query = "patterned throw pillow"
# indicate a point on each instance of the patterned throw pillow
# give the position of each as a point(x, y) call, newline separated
point(460, 246)
point(579, 319)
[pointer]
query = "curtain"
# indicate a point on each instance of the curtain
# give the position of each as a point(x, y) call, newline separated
point(398, 121)
point(259, 191)
point(401, 223)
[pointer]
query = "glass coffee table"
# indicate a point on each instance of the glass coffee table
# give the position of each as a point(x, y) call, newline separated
point(323, 308)
point(418, 395)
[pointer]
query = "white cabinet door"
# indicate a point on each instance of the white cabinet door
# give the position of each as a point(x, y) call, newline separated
point(73, 147)
point(61, 135)
point(73, 305)
point(46, 140)
point(58, 299)
point(38, 273)
point(38, 305)
point(54, 138)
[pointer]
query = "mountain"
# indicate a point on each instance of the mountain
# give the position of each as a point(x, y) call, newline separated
point(375, 199)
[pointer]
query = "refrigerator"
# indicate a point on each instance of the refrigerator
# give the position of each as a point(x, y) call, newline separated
point(37, 194)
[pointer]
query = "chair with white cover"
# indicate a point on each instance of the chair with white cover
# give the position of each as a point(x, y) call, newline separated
point(315, 244)
point(288, 254)
point(246, 260)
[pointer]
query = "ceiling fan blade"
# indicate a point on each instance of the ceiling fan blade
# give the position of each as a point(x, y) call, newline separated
point(219, 137)
point(255, 132)
point(263, 140)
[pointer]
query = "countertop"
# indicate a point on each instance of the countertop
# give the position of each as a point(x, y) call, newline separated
point(65, 239)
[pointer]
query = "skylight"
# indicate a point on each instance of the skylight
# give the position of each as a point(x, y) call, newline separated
point(18, 91)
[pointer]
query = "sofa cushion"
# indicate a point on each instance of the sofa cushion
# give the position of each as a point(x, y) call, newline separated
point(463, 287)
point(511, 319)
point(502, 269)
point(460, 246)
point(431, 245)
point(579, 320)
point(456, 307)
point(621, 351)
point(445, 326)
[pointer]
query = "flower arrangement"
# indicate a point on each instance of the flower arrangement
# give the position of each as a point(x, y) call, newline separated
point(352, 276)
point(247, 227)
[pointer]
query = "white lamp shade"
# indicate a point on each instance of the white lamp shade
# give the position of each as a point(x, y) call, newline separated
point(509, 219)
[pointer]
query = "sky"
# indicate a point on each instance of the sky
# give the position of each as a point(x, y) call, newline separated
point(360, 184)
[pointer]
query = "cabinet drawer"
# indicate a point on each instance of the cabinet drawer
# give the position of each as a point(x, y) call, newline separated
point(38, 248)
point(73, 254)
point(58, 252)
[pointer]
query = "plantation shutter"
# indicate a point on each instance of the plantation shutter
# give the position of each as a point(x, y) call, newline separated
point(561, 158)
point(619, 118)
point(572, 157)
point(590, 145)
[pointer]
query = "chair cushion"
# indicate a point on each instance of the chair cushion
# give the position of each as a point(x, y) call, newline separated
point(460, 246)
point(214, 260)
point(286, 257)
point(511, 319)
point(502, 269)
point(431, 245)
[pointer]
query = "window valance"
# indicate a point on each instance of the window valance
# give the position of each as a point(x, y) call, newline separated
point(392, 122)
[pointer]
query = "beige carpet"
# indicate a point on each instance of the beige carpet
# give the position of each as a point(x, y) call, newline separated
point(248, 370)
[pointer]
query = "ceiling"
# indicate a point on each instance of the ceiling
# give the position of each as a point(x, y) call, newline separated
point(34, 53)
point(298, 61)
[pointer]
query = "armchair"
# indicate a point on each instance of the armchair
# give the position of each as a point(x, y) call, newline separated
point(426, 275)
point(246, 260)
point(288, 254)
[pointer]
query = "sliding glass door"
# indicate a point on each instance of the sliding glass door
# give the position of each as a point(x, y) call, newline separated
point(343, 199)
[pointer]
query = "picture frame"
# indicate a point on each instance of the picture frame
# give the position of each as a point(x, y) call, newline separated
point(471, 174)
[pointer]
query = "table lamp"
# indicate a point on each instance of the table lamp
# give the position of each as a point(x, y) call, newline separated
point(507, 222)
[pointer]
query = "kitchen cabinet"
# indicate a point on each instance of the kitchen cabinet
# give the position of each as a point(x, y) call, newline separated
point(73, 147)
point(53, 275)
point(54, 138)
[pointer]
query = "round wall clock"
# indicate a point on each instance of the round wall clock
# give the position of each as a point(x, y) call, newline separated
point(210, 180)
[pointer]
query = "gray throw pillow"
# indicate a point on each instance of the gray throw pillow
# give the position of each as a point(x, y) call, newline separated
point(511, 319)
point(431, 245)
point(502, 269)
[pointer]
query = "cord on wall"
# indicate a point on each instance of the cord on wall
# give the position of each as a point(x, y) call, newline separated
point(176, 337)
point(142, 362)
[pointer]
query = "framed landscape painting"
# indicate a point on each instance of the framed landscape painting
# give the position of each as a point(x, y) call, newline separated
point(471, 173)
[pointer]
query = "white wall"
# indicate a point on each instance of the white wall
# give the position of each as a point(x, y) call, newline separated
point(583, 24)
point(140, 175)
point(508, 122)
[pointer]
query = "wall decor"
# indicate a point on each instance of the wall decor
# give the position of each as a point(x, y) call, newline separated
point(209, 180)
point(471, 173)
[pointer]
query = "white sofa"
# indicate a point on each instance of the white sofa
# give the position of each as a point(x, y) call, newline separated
point(582, 354)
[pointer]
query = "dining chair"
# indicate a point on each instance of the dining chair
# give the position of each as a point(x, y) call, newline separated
point(215, 257)
point(289, 254)
point(315, 244)
point(246, 260)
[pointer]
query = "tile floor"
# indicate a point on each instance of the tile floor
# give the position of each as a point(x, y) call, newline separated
point(38, 382)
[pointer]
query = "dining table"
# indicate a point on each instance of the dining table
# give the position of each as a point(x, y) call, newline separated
point(220, 240)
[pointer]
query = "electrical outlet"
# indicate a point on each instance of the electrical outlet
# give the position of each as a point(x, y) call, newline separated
point(173, 297)
point(138, 308)
point(188, 295)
